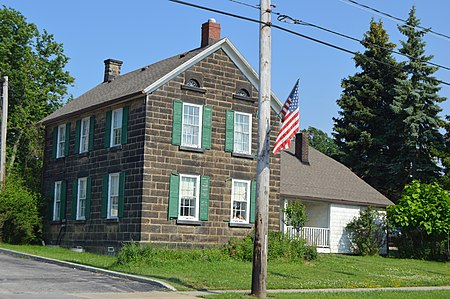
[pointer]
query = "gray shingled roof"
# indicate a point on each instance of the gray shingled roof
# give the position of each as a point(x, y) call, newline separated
point(325, 179)
point(125, 85)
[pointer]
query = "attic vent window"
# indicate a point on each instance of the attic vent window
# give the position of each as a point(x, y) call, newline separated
point(193, 83)
point(243, 93)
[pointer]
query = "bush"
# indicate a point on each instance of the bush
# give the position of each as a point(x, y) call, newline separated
point(280, 247)
point(20, 221)
point(367, 232)
point(295, 215)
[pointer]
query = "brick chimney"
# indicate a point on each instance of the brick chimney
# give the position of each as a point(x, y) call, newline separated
point(112, 69)
point(210, 32)
point(302, 147)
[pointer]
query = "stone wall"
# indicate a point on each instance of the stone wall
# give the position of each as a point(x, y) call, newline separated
point(220, 79)
point(97, 233)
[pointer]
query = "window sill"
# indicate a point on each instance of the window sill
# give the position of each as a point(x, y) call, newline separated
point(191, 149)
point(240, 225)
point(243, 98)
point(57, 222)
point(189, 222)
point(111, 220)
point(245, 156)
point(84, 154)
point(191, 88)
point(80, 221)
point(115, 148)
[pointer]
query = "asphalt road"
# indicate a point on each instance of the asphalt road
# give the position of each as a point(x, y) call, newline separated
point(22, 278)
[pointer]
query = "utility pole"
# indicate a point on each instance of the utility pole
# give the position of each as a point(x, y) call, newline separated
point(3, 131)
point(259, 271)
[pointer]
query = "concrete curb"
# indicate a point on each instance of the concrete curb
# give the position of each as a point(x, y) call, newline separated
point(355, 290)
point(88, 268)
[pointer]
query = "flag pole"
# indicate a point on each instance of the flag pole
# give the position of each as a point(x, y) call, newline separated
point(259, 270)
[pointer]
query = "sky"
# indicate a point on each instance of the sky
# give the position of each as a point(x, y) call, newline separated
point(141, 32)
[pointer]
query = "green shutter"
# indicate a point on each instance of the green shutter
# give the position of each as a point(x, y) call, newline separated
point(74, 199)
point(77, 136)
point(124, 135)
point(204, 197)
point(174, 196)
point(67, 141)
point(63, 200)
point(108, 129)
point(177, 122)
point(55, 142)
point(88, 198)
point(229, 131)
point(121, 193)
point(52, 202)
point(206, 127)
point(105, 182)
point(252, 201)
point(91, 133)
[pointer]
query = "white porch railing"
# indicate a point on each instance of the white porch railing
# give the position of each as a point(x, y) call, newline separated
point(316, 236)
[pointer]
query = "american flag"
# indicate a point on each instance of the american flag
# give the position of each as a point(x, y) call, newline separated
point(291, 121)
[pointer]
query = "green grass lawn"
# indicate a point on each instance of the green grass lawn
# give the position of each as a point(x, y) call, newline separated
point(357, 295)
point(328, 271)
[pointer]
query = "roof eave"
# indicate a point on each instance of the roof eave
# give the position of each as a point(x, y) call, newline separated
point(337, 200)
point(226, 45)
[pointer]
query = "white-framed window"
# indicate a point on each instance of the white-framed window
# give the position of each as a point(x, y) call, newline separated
point(61, 141)
point(242, 133)
point(189, 197)
point(240, 201)
point(192, 125)
point(113, 196)
point(81, 198)
point(57, 201)
point(116, 127)
point(84, 135)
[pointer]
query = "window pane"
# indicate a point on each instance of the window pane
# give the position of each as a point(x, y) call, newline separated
point(191, 125)
point(240, 199)
point(114, 195)
point(188, 196)
point(81, 198)
point(116, 127)
point(61, 140)
point(57, 207)
point(242, 133)
point(84, 140)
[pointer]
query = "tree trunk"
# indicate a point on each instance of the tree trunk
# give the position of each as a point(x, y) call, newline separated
point(14, 150)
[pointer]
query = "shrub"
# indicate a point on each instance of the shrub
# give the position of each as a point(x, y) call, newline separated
point(280, 247)
point(20, 221)
point(423, 217)
point(367, 232)
point(295, 215)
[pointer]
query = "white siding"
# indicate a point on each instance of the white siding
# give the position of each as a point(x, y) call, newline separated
point(340, 215)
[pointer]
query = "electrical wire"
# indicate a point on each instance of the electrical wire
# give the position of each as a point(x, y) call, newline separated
point(290, 20)
point(296, 33)
point(379, 12)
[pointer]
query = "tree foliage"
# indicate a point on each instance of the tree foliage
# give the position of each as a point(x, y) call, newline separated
point(362, 128)
point(367, 232)
point(423, 215)
point(416, 122)
point(34, 63)
point(319, 140)
point(295, 215)
point(20, 221)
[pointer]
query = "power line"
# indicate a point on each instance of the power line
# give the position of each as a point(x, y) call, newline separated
point(296, 33)
point(379, 12)
point(290, 20)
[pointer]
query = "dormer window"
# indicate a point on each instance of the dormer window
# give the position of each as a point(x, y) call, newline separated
point(193, 83)
point(243, 93)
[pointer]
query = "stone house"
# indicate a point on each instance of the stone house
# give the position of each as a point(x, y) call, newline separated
point(163, 154)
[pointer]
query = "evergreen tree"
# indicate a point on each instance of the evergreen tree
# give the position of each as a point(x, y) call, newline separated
point(416, 122)
point(360, 129)
point(34, 63)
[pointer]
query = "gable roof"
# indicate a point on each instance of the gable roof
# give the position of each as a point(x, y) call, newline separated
point(147, 79)
point(325, 179)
